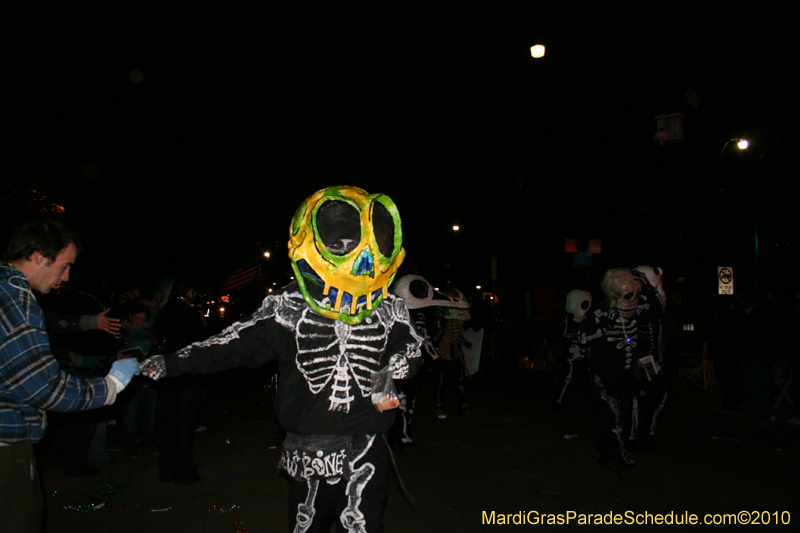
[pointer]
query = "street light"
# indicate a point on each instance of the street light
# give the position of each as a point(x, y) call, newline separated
point(537, 51)
point(742, 144)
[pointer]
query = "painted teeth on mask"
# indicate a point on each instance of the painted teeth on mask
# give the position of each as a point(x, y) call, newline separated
point(329, 302)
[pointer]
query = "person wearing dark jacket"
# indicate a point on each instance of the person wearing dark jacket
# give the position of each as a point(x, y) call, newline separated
point(758, 343)
point(333, 331)
point(179, 398)
point(83, 432)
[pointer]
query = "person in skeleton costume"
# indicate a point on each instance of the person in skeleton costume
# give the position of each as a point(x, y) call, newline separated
point(422, 300)
point(452, 367)
point(332, 331)
point(651, 387)
point(577, 358)
point(613, 337)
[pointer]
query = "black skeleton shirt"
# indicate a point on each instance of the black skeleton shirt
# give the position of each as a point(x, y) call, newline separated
point(325, 364)
point(616, 344)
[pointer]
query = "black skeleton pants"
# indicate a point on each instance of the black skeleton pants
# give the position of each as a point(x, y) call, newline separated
point(400, 432)
point(451, 375)
point(571, 369)
point(355, 505)
point(651, 395)
point(611, 414)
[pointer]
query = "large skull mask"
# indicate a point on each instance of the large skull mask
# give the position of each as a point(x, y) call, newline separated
point(349, 243)
point(578, 302)
point(622, 290)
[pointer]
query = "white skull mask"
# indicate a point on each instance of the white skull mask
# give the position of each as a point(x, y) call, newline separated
point(419, 293)
point(460, 308)
point(578, 302)
point(622, 290)
point(656, 278)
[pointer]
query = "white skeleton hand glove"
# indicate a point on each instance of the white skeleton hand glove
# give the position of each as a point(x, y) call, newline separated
point(153, 367)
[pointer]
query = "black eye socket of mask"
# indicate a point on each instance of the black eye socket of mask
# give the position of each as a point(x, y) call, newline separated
point(383, 223)
point(585, 305)
point(629, 296)
point(339, 226)
point(418, 289)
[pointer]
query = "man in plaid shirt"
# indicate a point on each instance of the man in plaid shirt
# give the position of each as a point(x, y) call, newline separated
point(40, 256)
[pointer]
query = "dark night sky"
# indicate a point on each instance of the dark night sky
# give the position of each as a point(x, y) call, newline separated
point(178, 137)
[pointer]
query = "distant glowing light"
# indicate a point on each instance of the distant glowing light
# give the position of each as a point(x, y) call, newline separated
point(478, 287)
point(51, 209)
point(266, 254)
point(743, 144)
point(456, 227)
point(537, 51)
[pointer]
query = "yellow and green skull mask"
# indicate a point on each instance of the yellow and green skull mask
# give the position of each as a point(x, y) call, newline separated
point(349, 243)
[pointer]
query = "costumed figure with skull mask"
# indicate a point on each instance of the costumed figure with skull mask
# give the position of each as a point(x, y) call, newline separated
point(651, 387)
point(331, 331)
point(452, 367)
point(577, 356)
point(613, 337)
point(422, 300)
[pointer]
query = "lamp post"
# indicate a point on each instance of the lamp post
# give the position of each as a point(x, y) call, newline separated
point(743, 144)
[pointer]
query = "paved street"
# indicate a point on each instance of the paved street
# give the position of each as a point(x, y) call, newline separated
point(513, 455)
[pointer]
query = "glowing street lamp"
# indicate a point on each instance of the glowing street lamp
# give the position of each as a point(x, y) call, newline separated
point(742, 144)
point(537, 51)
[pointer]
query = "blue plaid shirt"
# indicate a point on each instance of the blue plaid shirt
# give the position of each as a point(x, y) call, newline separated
point(31, 381)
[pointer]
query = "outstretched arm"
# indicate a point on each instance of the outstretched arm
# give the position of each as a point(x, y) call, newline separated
point(250, 343)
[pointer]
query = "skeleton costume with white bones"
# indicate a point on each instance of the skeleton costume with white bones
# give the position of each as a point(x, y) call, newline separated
point(578, 303)
point(329, 331)
point(612, 332)
point(651, 389)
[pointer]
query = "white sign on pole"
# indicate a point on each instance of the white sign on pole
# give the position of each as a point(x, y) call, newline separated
point(725, 277)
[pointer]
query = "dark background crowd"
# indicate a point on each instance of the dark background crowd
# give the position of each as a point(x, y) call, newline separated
point(179, 142)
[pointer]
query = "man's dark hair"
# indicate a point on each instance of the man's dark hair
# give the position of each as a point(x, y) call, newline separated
point(47, 237)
